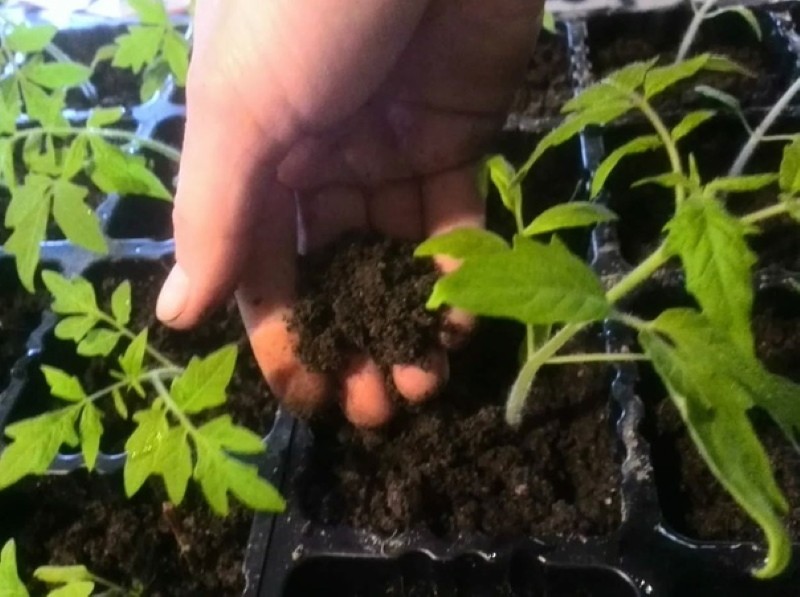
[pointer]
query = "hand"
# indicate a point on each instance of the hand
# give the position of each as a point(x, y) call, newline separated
point(320, 116)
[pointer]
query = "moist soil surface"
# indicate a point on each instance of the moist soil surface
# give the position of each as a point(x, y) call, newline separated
point(452, 465)
point(249, 401)
point(547, 86)
point(20, 313)
point(693, 502)
point(660, 33)
point(87, 520)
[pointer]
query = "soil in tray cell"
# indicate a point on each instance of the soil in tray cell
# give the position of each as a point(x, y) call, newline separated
point(416, 575)
point(692, 501)
point(249, 401)
point(78, 519)
point(20, 313)
point(618, 40)
point(454, 465)
point(547, 81)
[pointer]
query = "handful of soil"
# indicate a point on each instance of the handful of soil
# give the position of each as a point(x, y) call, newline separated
point(365, 294)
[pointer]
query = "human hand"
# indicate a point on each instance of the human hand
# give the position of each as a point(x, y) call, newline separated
point(308, 118)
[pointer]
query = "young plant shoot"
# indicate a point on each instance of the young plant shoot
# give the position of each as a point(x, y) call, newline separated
point(705, 357)
point(163, 397)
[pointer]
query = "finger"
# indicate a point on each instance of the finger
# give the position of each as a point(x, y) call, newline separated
point(327, 214)
point(395, 210)
point(451, 200)
point(265, 297)
point(418, 383)
point(365, 401)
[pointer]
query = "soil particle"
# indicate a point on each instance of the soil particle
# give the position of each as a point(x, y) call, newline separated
point(547, 87)
point(87, 520)
point(364, 295)
point(694, 503)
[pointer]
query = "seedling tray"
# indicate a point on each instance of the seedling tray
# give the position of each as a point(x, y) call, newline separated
point(295, 554)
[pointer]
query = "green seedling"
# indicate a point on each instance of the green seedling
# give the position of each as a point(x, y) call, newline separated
point(706, 356)
point(154, 48)
point(67, 581)
point(165, 400)
point(705, 10)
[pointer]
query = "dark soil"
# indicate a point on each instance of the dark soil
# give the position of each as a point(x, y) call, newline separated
point(547, 85)
point(87, 520)
point(415, 575)
point(660, 34)
point(455, 466)
point(694, 503)
point(364, 295)
point(249, 401)
point(20, 313)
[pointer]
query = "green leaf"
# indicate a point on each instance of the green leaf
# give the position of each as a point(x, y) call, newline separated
point(37, 441)
point(91, 430)
point(10, 111)
point(76, 219)
point(57, 75)
point(202, 385)
point(740, 184)
point(534, 283)
point(611, 88)
point(39, 154)
point(103, 53)
point(502, 175)
point(689, 123)
point(711, 244)
point(119, 404)
point(27, 215)
point(98, 343)
point(74, 158)
point(144, 448)
point(114, 171)
point(176, 464)
point(726, 99)
point(29, 39)
point(100, 117)
point(789, 178)
point(599, 114)
point(153, 79)
point(634, 146)
point(47, 108)
point(662, 78)
point(76, 589)
point(75, 327)
point(714, 408)
point(570, 215)
point(121, 303)
point(55, 575)
point(219, 475)
point(10, 583)
point(461, 243)
point(150, 12)
point(176, 52)
point(137, 48)
point(668, 180)
point(748, 16)
point(231, 437)
point(63, 385)
point(549, 22)
point(71, 296)
point(132, 361)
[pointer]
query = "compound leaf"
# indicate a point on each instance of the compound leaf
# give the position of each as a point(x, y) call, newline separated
point(137, 48)
point(71, 296)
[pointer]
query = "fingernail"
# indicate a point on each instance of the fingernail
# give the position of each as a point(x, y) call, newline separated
point(174, 295)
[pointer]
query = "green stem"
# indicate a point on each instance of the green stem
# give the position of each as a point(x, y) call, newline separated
point(663, 133)
point(638, 275)
point(117, 134)
point(599, 357)
point(165, 372)
point(158, 356)
point(112, 586)
point(164, 394)
point(694, 26)
point(522, 385)
point(766, 213)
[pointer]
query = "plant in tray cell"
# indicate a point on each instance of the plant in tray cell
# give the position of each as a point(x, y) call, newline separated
point(154, 48)
point(66, 581)
point(176, 437)
point(704, 356)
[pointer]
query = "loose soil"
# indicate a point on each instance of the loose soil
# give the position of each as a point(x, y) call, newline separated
point(249, 401)
point(20, 313)
point(693, 502)
point(87, 520)
point(453, 465)
point(547, 86)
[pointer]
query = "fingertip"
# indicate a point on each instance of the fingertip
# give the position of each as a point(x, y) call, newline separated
point(365, 401)
point(419, 383)
point(173, 297)
point(457, 328)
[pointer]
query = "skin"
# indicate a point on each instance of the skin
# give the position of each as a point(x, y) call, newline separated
point(308, 118)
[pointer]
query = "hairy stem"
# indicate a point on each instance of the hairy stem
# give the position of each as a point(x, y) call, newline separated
point(600, 357)
point(164, 394)
point(162, 372)
point(153, 352)
point(768, 212)
point(638, 275)
point(694, 26)
point(749, 148)
point(669, 145)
